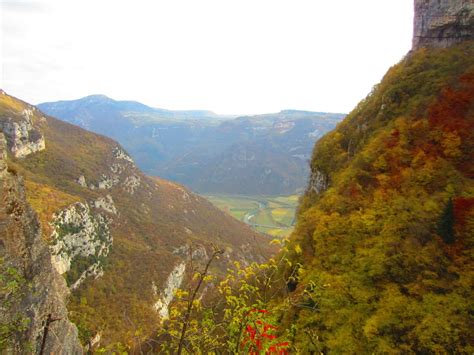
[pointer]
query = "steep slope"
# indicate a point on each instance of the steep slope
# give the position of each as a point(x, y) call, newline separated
point(33, 295)
point(119, 237)
point(265, 154)
point(385, 231)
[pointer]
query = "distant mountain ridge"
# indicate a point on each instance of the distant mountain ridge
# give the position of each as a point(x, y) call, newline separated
point(262, 154)
point(73, 108)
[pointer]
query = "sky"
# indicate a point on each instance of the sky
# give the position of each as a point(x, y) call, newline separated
point(228, 56)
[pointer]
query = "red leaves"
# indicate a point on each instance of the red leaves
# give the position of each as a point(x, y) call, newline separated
point(258, 311)
point(463, 207)
point(280, 348)
point(450, 112)
point(251, 331)
point(393, 139)
point(451, 121)
point(258, 336)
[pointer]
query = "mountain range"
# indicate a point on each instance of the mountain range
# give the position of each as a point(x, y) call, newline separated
point(264, 154)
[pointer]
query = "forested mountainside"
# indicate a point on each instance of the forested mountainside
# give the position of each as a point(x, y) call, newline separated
point(384, 236)
point(383, 246)
point(122, 240)
point(264, 154)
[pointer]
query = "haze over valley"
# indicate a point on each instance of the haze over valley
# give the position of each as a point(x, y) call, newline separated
point(265, 154)
point(251, 156)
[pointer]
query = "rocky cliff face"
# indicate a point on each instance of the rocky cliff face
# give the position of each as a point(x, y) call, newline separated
point(121, 172)
point(442, 23)
point(81, 239)
point(21, 129)
point(33, 314)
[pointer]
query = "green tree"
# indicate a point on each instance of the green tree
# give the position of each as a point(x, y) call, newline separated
point(446, 223)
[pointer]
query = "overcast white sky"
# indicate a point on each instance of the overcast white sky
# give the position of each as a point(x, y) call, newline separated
point(229, 56)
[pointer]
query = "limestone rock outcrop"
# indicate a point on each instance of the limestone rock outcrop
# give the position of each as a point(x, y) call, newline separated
point(33, 314)
point(81, 239)
point(122, 172)
point(442, 23)
point(22, 135)
point(318, 182)
point(173, 282)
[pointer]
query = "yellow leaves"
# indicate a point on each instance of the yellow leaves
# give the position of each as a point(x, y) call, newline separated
point(451, 143)
point(381, 163)
point(208, 278)
point(174, 312)
point(197, 305)
point(298, 249)
point(368, 218)
point(242, 301)
point(431, 206)
point(370, 327)
point(180, 294)
point(383, 179)
point(276, 241)
point(301, 272)
point(427, 172)
point(419, 160)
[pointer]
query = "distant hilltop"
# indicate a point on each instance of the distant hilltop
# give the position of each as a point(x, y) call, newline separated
point(442, 23)
point(103, 102)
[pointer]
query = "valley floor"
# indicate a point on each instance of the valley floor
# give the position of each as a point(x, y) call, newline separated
point(273, 215)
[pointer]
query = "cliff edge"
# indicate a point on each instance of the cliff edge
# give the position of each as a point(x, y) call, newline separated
point(33, 317)
point(442, 23)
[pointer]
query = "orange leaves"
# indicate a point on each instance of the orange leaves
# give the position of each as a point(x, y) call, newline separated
point(449, 113)
point(453, 116)
point(447, 133)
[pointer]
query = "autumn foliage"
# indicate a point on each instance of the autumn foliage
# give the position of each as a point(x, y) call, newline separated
point(388, 263)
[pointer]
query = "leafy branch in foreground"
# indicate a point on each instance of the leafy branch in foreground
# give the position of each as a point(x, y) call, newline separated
point(201, 277)
point(239, 314)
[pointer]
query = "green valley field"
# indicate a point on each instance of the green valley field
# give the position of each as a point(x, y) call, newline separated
point(273, 215)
